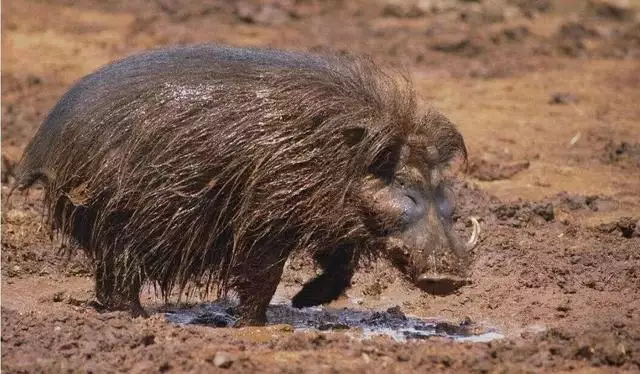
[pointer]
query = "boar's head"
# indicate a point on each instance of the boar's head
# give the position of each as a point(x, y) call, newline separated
point(408, 201)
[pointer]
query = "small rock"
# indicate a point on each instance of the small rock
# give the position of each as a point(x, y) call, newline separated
point(222, 360)
point(563, 98)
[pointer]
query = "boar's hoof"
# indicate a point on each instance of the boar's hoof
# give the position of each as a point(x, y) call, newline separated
point(441, 285)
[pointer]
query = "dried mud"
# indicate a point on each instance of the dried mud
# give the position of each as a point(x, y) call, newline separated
point(545, 93)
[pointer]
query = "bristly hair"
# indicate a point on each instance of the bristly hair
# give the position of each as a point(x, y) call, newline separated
point(177, 166)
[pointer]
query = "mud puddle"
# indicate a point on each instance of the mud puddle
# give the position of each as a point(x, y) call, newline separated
point(359, 324)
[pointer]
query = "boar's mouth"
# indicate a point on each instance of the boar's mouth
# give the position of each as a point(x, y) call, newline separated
point(439, 283)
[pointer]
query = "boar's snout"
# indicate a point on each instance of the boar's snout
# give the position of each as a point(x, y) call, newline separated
point(433, 259)
point(455, 277)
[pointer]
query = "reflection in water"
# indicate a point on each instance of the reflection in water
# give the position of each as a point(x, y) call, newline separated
point(362, 323)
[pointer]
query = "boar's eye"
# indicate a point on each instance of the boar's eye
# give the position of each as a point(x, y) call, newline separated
point(444, 204)
point(385, 164)
point(411, 204)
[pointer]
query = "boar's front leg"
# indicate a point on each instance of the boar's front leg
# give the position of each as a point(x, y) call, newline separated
point(338, 269)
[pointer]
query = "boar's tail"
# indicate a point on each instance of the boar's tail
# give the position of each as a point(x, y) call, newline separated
point(25, 177)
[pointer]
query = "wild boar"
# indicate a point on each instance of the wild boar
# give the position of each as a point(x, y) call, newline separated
point(207, 166)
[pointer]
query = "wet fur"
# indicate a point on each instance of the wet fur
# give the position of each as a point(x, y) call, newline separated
point(209, 166)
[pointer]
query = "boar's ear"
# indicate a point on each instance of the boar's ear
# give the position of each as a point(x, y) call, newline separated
point(438, 132)
point(354, 135)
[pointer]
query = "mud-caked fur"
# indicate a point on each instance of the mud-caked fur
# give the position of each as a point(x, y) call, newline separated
point(208, 166)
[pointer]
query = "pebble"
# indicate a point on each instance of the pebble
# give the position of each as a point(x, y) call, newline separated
point(222, 360)
point(562, 98)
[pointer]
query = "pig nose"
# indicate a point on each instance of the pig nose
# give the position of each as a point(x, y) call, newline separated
point(441, 284)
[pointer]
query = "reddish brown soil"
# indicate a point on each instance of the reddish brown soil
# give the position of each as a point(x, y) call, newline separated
point(546, 94)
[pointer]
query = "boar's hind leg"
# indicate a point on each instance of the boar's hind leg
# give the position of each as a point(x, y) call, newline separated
point(118, 293)
point(338, 269)
point(255, 284)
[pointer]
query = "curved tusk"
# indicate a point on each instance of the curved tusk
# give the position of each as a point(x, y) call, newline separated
point(475, 235)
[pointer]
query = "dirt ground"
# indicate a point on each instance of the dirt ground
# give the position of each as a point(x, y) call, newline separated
point(546, 95)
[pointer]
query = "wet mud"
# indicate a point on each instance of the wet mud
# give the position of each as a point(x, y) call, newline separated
point(356, 323)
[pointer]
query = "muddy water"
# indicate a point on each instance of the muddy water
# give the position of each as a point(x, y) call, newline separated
point(360, 324)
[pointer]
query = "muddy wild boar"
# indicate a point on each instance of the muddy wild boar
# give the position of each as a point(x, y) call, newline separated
point(207, 166)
